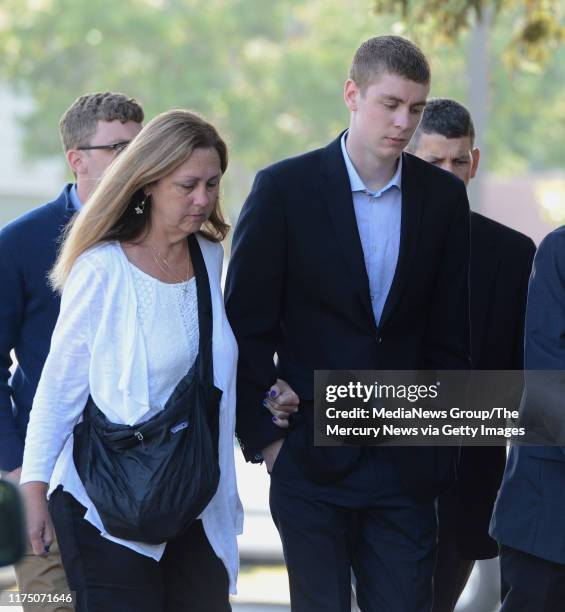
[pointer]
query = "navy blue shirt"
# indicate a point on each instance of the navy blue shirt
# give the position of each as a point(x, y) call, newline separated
point(28, 313)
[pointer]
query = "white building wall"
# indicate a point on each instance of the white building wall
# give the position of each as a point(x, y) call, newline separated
point(23, 184)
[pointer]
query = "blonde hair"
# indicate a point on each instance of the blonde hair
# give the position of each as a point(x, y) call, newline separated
point(163, 145)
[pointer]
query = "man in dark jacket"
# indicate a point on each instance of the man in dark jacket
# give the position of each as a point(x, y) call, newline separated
point(501, 261)
point(528, 521)
point(94, 130)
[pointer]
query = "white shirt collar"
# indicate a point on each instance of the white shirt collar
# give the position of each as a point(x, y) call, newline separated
point(77, 204)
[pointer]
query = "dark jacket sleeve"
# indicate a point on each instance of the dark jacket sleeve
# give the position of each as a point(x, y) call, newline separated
point(545, 314)
point(545, 340)
point(448, 343)
point(254, 295)
point(528, 260)
point(12, 304)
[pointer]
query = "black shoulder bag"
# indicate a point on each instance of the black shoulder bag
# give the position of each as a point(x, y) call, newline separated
point(149, 481)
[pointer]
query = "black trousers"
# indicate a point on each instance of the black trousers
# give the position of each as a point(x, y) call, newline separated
point(363, 522)
point(109, 577)
point(530, 583)
point(452, 572)
point(452, 569)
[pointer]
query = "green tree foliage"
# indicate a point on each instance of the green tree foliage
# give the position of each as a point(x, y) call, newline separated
point(536, 33)
point(268, 74)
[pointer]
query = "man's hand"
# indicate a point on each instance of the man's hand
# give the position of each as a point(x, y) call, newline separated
point(281, 401)
point(271, 452)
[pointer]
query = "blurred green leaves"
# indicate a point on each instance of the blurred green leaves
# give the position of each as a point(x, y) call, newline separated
point(270, 74)
point(536, 32)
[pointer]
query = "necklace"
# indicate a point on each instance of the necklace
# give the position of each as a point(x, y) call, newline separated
point(164, 266)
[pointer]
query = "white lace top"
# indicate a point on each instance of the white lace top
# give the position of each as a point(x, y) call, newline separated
point(171, 341)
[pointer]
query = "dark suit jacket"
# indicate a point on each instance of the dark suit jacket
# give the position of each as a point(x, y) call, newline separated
point(297, 286)
point(28, 313)
point(529, 510)
point(501, 261)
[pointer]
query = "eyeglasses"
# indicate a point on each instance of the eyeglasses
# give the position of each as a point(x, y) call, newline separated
point(117, 147)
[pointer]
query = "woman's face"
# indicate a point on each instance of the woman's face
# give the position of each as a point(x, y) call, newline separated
point(183, 200)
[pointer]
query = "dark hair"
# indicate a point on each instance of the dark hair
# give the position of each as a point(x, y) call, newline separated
point(391, 54)
point(446, 118)
point(79, 121)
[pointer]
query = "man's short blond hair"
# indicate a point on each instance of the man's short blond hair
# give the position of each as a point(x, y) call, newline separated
point(388, 54)
point(80, 120)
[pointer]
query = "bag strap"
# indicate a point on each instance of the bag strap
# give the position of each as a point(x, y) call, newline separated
point(205, 324)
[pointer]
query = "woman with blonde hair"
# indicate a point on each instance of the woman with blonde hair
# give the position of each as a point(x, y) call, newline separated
point(131, 431)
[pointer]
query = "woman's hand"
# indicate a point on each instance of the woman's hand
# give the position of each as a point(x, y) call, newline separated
point(39, 526)
point(281, 401)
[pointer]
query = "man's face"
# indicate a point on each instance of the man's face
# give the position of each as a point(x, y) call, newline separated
point(91, 163)
point(386, 114)
point(456, 155)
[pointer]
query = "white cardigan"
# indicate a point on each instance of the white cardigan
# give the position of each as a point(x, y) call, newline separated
point(98, 348)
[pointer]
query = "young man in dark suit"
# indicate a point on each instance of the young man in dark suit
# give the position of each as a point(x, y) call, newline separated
point(353, 256)
point(501, 262)
point(94, 129)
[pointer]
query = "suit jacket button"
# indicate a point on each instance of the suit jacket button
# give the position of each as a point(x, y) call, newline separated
point(379, 339)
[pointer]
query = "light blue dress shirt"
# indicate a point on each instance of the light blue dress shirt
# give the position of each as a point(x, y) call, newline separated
point(75, 200)
point(378, 217)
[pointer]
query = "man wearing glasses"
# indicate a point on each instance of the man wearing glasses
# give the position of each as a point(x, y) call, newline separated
point(94, 130)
